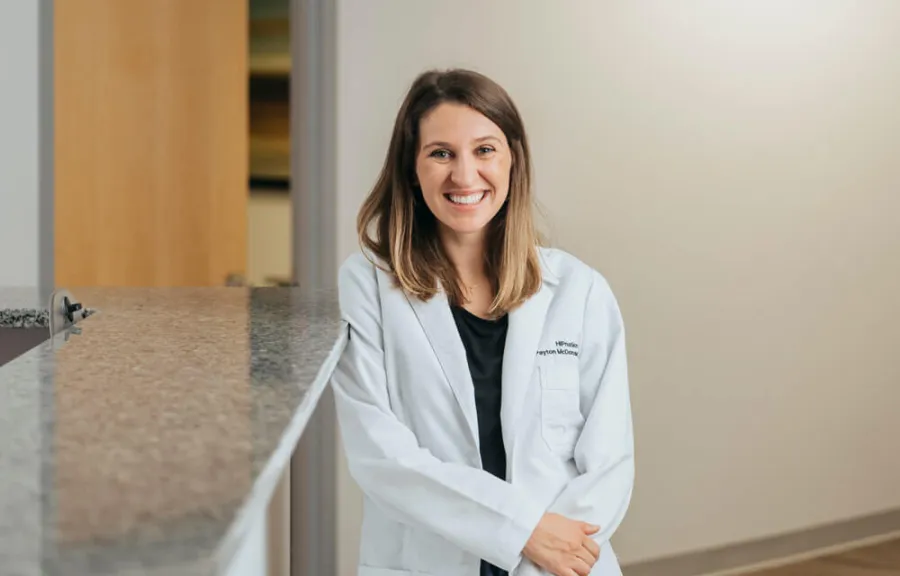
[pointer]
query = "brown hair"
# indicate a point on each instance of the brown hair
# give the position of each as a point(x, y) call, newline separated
point(405, 235)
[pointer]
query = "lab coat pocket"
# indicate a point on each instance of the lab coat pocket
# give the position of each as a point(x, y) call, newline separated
point(561, 419)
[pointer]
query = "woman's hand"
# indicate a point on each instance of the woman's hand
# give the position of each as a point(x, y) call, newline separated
point(563, 546)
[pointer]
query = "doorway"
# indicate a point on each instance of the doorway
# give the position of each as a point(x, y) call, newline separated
point(269, 208)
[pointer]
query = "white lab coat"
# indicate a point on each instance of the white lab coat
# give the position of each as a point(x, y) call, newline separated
point(406, 409)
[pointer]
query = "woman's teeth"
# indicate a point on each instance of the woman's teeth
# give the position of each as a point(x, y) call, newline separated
point(467, 199)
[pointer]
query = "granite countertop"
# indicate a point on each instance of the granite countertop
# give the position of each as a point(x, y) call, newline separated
point(142, 445)
point(23, 308)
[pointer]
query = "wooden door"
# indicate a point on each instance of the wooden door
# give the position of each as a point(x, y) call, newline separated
point(151, 142)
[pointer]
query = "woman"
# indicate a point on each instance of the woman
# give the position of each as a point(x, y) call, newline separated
point(482, 396)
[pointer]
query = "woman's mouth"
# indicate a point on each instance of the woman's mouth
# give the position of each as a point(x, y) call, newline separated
point(466, 199)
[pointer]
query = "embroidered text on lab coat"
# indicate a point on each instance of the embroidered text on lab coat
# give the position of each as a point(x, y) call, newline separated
point(563, 348)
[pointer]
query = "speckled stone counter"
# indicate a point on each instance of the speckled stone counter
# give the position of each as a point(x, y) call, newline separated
point(140, 445)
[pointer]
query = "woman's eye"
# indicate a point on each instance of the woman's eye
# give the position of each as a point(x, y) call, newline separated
point(440, 154)
point(485, 150)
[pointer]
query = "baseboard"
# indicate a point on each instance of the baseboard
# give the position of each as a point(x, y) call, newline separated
point(775, 550)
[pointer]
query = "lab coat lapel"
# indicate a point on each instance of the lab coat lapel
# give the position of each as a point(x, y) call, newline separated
point(526, 325)
point(440, 329)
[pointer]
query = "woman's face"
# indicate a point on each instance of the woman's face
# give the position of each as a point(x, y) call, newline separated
point(463, 167)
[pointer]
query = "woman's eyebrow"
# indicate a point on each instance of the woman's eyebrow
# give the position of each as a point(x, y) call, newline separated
point(442, 144)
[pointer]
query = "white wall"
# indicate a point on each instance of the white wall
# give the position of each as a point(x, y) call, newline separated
point(19, 197)
point(733, 168)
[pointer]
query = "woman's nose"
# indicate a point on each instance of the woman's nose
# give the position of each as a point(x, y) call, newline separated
point(465, 171)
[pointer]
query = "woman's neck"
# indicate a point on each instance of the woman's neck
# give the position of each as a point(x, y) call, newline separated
point(466, 252)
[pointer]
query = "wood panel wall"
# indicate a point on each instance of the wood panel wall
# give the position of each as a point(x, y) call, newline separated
point(151, 142)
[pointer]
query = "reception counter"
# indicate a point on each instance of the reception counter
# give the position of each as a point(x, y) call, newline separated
point(156, 436)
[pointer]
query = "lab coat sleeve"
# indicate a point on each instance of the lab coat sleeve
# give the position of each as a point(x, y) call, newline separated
point(467, 506)
point(604, 452)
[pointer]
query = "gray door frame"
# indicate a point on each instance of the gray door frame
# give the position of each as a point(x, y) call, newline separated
point(313, 142)
point(314, 206)
point(46, 168)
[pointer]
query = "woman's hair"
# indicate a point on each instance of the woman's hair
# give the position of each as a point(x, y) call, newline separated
point(397, 226)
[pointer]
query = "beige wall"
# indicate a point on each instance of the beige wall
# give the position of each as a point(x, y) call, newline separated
point(733, 168)
point(269, 236)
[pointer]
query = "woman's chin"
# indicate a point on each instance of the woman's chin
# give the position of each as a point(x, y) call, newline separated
point(464, 226)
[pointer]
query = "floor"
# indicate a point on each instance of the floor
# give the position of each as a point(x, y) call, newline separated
point(877, 560)
point(17, 341)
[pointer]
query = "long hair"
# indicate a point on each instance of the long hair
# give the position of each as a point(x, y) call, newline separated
point(396, 225)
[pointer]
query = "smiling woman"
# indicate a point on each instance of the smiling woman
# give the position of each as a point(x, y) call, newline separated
point(478, 451)
point(460, 143)
point(463, 167)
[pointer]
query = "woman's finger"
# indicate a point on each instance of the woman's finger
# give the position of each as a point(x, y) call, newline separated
point(581, 567)
point(592, 547)
point(585, 555)
point(588, 528)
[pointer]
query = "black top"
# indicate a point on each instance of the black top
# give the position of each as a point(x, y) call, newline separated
point(484, 341)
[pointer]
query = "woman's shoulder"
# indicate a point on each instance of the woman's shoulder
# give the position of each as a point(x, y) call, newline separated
point(582, 282)
point(358, 275)
point(356, 263)
point(567, 268)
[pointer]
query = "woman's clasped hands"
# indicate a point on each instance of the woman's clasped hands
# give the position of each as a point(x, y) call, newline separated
point(563, 546)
